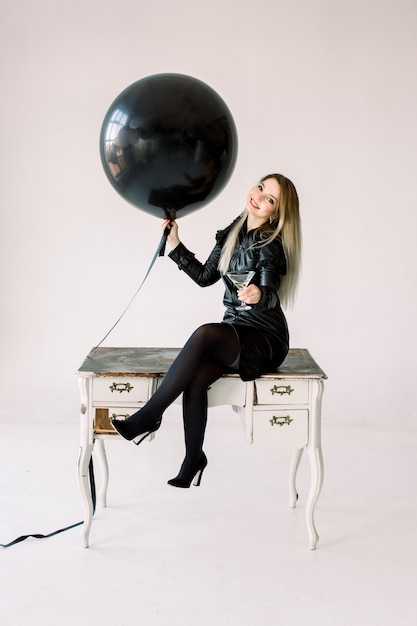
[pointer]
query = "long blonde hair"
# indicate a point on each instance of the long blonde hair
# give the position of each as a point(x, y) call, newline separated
point(285, 224)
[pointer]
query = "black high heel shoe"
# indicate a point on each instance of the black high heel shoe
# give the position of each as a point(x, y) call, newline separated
point(137, 435)
point(187, 474)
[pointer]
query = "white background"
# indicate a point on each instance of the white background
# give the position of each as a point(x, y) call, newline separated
point(324, 91)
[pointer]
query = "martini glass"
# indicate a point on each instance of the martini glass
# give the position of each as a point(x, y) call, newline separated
point(241, 280)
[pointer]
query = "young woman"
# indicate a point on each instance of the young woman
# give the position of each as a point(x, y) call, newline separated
point(265, 238)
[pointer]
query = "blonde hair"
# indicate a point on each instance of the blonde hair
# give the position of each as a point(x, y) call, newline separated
point(284, 224)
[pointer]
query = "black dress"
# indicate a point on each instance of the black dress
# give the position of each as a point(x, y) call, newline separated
point(262, 330)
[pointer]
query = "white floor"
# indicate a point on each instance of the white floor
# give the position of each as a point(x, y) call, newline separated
point(228, 553)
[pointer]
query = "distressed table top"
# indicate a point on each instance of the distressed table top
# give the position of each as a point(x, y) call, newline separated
point(154, 362)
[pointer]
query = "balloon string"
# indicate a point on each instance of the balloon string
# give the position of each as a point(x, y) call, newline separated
point(159, 252)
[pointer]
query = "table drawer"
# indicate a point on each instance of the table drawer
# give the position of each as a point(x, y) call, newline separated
point(121, 389)
point(281, 391)
point(102, 417)
point(281, 429)
point(224, 391)
point(227, 391)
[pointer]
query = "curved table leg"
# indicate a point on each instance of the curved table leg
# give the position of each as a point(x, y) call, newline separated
point(295, 462)
point(100, 450)
point(316, 459)
point(316, 467)
point(84, 457)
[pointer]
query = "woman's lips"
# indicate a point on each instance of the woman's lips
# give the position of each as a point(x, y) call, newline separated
point(253, 203)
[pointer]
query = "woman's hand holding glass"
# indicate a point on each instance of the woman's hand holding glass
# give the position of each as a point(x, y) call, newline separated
point(247, 293)
point(250, 295)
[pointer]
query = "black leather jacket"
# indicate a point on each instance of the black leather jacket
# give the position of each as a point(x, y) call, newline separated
point(269, 265)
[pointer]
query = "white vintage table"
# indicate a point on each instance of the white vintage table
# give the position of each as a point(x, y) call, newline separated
point(281, 408)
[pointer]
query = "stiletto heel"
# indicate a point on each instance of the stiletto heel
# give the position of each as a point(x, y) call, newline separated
point(198, 477)
point(137, 440)
point(188, 475)
point(141, 433)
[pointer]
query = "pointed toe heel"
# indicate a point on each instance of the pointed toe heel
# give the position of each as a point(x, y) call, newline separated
point(140, 433)
point(189, 475)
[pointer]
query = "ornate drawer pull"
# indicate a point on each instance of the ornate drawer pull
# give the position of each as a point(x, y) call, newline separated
point(281, 389)
point(120, 387)
point(120, 416)
point(280, 421)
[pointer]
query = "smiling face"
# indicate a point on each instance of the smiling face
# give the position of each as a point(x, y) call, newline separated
point(262, 202)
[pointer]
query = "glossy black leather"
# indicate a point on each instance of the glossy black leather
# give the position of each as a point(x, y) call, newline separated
point(269, 265)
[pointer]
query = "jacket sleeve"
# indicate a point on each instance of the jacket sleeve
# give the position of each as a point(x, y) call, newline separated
point(204, 274)
point(271, 267)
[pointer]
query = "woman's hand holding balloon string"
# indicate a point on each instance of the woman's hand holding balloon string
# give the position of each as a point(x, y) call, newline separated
point(172, 237)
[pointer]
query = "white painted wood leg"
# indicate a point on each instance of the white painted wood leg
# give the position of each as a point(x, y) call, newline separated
point(295, 462)
point(83, 478)
point(316, 469)
point(84, 456)
point(100, 451)
point(316, 460)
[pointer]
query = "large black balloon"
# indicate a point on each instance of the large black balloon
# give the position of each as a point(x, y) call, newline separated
point(168, 141)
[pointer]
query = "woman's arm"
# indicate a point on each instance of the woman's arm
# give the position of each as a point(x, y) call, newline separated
point(204, 274)
point(271, 268)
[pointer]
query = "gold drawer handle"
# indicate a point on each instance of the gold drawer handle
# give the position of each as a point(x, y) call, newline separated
point(120, 416)
point(121, 387)
point(280, 421)
point(282, 389)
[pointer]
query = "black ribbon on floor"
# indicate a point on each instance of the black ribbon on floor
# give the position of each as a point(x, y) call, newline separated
point(61, 530)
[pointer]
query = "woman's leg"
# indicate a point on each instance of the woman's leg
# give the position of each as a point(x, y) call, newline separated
point(195, 419)
point(212, 343)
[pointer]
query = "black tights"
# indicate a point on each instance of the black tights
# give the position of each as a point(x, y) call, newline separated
point(212, 350)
